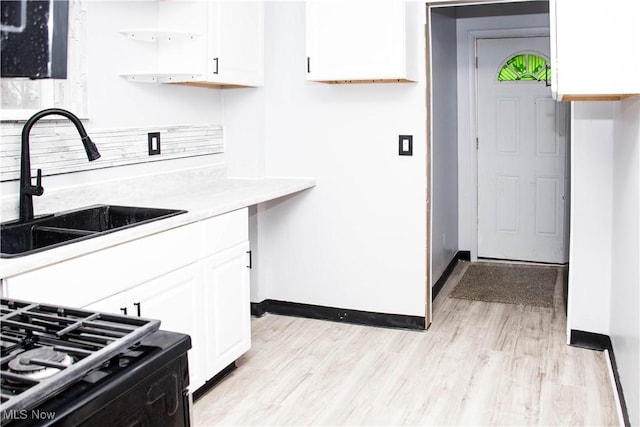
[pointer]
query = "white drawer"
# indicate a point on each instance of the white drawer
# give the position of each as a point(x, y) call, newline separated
point(224, 231)
point(83, 280)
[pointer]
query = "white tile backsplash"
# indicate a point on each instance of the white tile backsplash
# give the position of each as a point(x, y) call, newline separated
point(56, 147)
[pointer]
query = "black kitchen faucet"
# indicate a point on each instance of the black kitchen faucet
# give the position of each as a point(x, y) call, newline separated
point(27, 190)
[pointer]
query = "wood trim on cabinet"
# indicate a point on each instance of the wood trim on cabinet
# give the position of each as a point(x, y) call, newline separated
point(611, 97)
point(337, 82)
point(211, 85)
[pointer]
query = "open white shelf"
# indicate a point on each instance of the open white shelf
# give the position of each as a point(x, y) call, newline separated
point(155, 35)
point(154, 77)
point(213, 43)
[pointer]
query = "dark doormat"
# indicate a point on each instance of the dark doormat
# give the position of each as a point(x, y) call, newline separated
point(508, 283)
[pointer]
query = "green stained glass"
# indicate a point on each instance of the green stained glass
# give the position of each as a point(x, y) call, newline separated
point(536, 63)
point(525, 67)
point(507, 74)
point(518, 63)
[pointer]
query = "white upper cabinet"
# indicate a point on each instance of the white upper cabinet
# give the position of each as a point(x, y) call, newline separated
point(206, 43)
point(362, 41)
point(237, 41)
point(594, 49)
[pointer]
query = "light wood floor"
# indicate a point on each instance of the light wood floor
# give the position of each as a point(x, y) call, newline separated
point(479, 364)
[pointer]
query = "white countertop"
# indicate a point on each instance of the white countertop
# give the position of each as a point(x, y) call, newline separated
point(203, 196)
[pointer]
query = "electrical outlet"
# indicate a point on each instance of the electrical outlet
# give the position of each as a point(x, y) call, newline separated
point(153, 138)
point(405, 145)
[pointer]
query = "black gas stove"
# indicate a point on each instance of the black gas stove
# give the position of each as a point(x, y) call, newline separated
point(69, 367)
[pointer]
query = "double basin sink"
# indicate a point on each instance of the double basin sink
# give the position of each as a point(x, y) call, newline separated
point(51, 231)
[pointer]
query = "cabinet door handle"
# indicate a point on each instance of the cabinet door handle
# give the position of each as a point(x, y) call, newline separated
point(123, 310)
point(137, 304)
point(547, 82)
point(217, 63)
point(308, 64)
point(250, 260)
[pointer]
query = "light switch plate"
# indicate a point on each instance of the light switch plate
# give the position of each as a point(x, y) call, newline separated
point(405, 145)
point(153, 139)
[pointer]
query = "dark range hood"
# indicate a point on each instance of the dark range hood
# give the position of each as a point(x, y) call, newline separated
point(33, 38)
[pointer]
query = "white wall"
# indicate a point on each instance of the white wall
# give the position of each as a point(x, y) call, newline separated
point(604, 271)
point(591, 216)
point(357, 240)
point(244, 123)
point(444, 145)
point(467, 29)
point(344, 135)
point(244, 119)
point(114, 102)
point(625, 253)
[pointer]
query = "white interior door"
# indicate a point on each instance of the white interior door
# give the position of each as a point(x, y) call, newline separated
point(521, 154)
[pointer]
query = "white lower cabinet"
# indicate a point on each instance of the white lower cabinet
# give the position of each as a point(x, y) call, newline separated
point(207, 299)
point(227, 319)
point(194, 279)
point(176, 300)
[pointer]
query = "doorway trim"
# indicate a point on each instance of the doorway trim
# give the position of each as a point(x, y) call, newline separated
point(428, 307)
point(472, 131)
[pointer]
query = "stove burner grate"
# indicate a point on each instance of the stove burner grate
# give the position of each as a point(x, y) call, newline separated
point(45, 348)
point(40, 363)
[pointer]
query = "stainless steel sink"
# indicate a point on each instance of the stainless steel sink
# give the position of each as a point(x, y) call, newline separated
point(51, 231)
